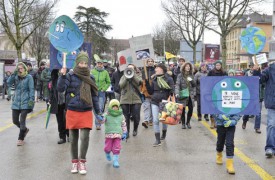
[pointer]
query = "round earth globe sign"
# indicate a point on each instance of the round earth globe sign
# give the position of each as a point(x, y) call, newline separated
point(253, 40)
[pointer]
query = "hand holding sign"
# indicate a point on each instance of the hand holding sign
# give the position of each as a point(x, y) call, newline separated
point(65, 35)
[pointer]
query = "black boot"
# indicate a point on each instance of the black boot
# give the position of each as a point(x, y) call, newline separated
point(188, 122)
point(163, 136)
point(157, 143)
point(183, 122)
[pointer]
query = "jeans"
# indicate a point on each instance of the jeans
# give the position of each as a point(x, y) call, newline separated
point(226, 137)
point(21, 124)
point(112, 144)
point(270, 130)
point(102, 99)
point(84, 142)
point(134, 111)
point(258, 118)
point(147, 110)
point(155, 113)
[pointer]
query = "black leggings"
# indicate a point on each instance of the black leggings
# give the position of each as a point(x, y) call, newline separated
point(21, 124)
point(134, 111)
point(190, 112)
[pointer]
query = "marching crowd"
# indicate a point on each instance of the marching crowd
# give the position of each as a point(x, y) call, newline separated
point(78, 98)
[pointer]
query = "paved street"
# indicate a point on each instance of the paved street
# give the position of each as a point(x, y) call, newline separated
point(185, 154)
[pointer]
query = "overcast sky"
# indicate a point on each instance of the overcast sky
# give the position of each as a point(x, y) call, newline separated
point(130, 17)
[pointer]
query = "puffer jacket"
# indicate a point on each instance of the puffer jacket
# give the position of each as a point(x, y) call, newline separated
point(70, 83)
point(102, 79)
point(128, 94)
point(182, 84)
point(23, 97)
point(197, 80)
point(158, 94)
point(267, 77)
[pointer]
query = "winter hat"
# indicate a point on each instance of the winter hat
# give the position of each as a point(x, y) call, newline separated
point(42, 63)
point(163, 67)
point(218, 61)
point(202, 64)
point(231, 71)
point(105, 60)
point(82, 56)
point(114, 102)
point(24, 66)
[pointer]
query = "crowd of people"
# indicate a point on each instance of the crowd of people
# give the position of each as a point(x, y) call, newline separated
point(78, 98)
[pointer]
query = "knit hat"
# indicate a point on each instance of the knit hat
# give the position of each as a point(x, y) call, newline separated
point(105, 60)
point(231, 71)
point(218, 61)
point(202, 64)
point(82, 56)
point(163, 67)
point(114, 102)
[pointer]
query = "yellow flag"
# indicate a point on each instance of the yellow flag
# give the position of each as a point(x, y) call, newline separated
point(169, 55)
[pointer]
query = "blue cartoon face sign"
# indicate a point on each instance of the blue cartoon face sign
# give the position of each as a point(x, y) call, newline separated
point(65, 35)
point(230, 96)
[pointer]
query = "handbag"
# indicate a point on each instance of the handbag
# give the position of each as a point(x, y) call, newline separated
point(184, 93)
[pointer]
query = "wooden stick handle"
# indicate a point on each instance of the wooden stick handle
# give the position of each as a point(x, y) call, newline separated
point(64, 60)
point(145, 69)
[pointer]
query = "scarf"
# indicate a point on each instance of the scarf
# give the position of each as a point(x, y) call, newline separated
point(88, 86)
point(99, 69)
point(114, 113)
point(162, 83)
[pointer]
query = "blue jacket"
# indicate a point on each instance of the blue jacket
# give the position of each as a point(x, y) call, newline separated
point(268, 78)
point(23, 97)
point(220, 120)
point(70, 83)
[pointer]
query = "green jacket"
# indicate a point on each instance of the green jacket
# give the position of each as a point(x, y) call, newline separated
point(46, 78)
point(128, 93)
point(102, 79)
point(113, 124)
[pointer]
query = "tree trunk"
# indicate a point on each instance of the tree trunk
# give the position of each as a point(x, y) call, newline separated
point(224, 50)
point(19, 54)
point(194, 54)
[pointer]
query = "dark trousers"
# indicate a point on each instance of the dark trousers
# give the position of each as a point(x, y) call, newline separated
point(21, 124)
point(131, 110)
point(199, 106)
point(61, 122)
point(189, 113)
point(226, 137)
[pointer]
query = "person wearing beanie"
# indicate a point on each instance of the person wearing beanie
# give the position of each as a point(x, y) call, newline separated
point(185, 80)
point(201, 73)
point(103, 82)
point(161, 87)
point(23, 99)
point(177, 69)
point(216, 71)
point(231, 72)
point(39, 84)
point(115, 131)
point(80, 101)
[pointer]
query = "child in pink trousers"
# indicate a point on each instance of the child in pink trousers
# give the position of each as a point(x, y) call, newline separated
point(115, 131)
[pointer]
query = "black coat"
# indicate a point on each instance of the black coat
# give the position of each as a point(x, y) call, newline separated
point(115, 80)
point(158, 94)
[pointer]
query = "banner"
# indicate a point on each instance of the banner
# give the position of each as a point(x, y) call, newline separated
point(212, 52)
point(56, 61)
point(124, 58)
point(230, 95)
point(142, 48)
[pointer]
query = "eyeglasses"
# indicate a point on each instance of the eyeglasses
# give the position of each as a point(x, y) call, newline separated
point(150, 61)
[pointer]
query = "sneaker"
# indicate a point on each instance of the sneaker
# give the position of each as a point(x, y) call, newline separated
point(268, 153)
point(199, 118)
point(206, 118)
point(134, 133)
point(61, 141)
point(150, 123)
point(157, 144)
point(145, 124)
point(74, 166)
point(258, 131)
point(82, 167)
point(20, 143)
point(26, 132)
point(98, 128)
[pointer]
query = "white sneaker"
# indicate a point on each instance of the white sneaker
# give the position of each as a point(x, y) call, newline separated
point(82, 167)
point(74, 167)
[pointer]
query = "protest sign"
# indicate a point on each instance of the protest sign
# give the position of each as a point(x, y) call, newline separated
point(260, 58)
point(124, 58)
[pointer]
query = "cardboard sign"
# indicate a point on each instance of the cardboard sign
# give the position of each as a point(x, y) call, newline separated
point(230, 95)
point(142, 48)
point(260, 58)
point(56, 56)
point(124, 58)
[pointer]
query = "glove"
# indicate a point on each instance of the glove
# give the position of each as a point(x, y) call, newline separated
point(189, 79)
point(99, 117)
point(224, 117)
point(30, 103)
point(229, 123)
point(124, 136)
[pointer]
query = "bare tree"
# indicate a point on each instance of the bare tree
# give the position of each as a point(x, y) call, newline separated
point(20, 19)
point(226, 14)
point(167, 35)
point(182, 13)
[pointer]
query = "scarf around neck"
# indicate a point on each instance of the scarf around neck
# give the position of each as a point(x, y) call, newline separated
point(99, 69)
point(162, 83)
point(88, 86)
point(114, 113)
